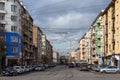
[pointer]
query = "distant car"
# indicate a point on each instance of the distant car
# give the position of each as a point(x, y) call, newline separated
point(9, 71)
point(71, 65)
point(39, 67)
point(110, 69)
point(83, 67)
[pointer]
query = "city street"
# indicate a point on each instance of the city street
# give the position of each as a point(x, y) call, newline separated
point(63, 73)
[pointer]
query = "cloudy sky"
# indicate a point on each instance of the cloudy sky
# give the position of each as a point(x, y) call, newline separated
point(64, 21)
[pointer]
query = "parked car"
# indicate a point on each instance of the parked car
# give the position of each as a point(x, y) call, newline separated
point(46, 65)
point(71, 65)
point(27, 68)
point(9, 71)
point(23, 69)
point(83, 67)
point(97, 67)
point(40, 67)
point(110, 69)
point(18, 69)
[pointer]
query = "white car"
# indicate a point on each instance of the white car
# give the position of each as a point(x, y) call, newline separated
point(39, 67)
point(23, 68)
point(110, 69)
point(18, 69)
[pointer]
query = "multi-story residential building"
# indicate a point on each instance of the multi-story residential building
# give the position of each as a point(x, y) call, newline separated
point(98, 39)
point(10, 23)
point(115, 30)
point(37, 41)
point(78, 55)
point(74, 57)
point(13, 48)
point(82, 48)
point(56, 57)
point(10, 11)
point(87, 46)
point(44, 45)
point(27, 37)
point(104, 37)
point(49, 52)
point(109, 32)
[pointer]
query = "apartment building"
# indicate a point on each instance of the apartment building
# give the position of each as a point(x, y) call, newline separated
point(82, 48)
point(27, 37)
point(56, 57)
point(44, 46)
point(10, 24)
point(37, 41)
point(49, 52)
point(104, 16)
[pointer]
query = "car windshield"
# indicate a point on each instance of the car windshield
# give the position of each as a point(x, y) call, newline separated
point(9, 68)
point(112, 67)
point(60, 39)
point(17, 67)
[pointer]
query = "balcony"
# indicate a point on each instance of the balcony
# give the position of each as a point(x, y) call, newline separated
point(25, 41)
point(3, 11)
point(113, 28)
point(2, 0)
point(26, 49)
point(113, 40)
point(113, 14)
point(98, 36)
point(3, 21)
point(31, 50)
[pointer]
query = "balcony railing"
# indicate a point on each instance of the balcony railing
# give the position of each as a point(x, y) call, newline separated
point(113, 40)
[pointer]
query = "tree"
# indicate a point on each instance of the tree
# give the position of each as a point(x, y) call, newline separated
point(2, 53)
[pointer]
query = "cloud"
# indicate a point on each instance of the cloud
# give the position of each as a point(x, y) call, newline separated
point(64, 20)
point(69, 20)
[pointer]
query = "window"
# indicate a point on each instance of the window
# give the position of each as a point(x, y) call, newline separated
point(2, 16)
point(14, 39)
point(2, 27)
point(2, 6)
point(14, 28)
point(13, 8)
point(13, 18)
point(14, 49)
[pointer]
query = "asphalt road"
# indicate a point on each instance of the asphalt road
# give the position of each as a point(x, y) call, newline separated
point(63, 73)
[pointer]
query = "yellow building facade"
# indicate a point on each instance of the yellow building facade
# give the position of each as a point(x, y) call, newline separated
point(110, 34)
point(82, 49)
point(117, 26)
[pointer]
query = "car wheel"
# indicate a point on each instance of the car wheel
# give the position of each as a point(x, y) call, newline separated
point(117, 72)
point(104, 71)
point(14, 74)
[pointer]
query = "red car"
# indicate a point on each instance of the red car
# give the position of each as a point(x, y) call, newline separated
point(83, 67)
